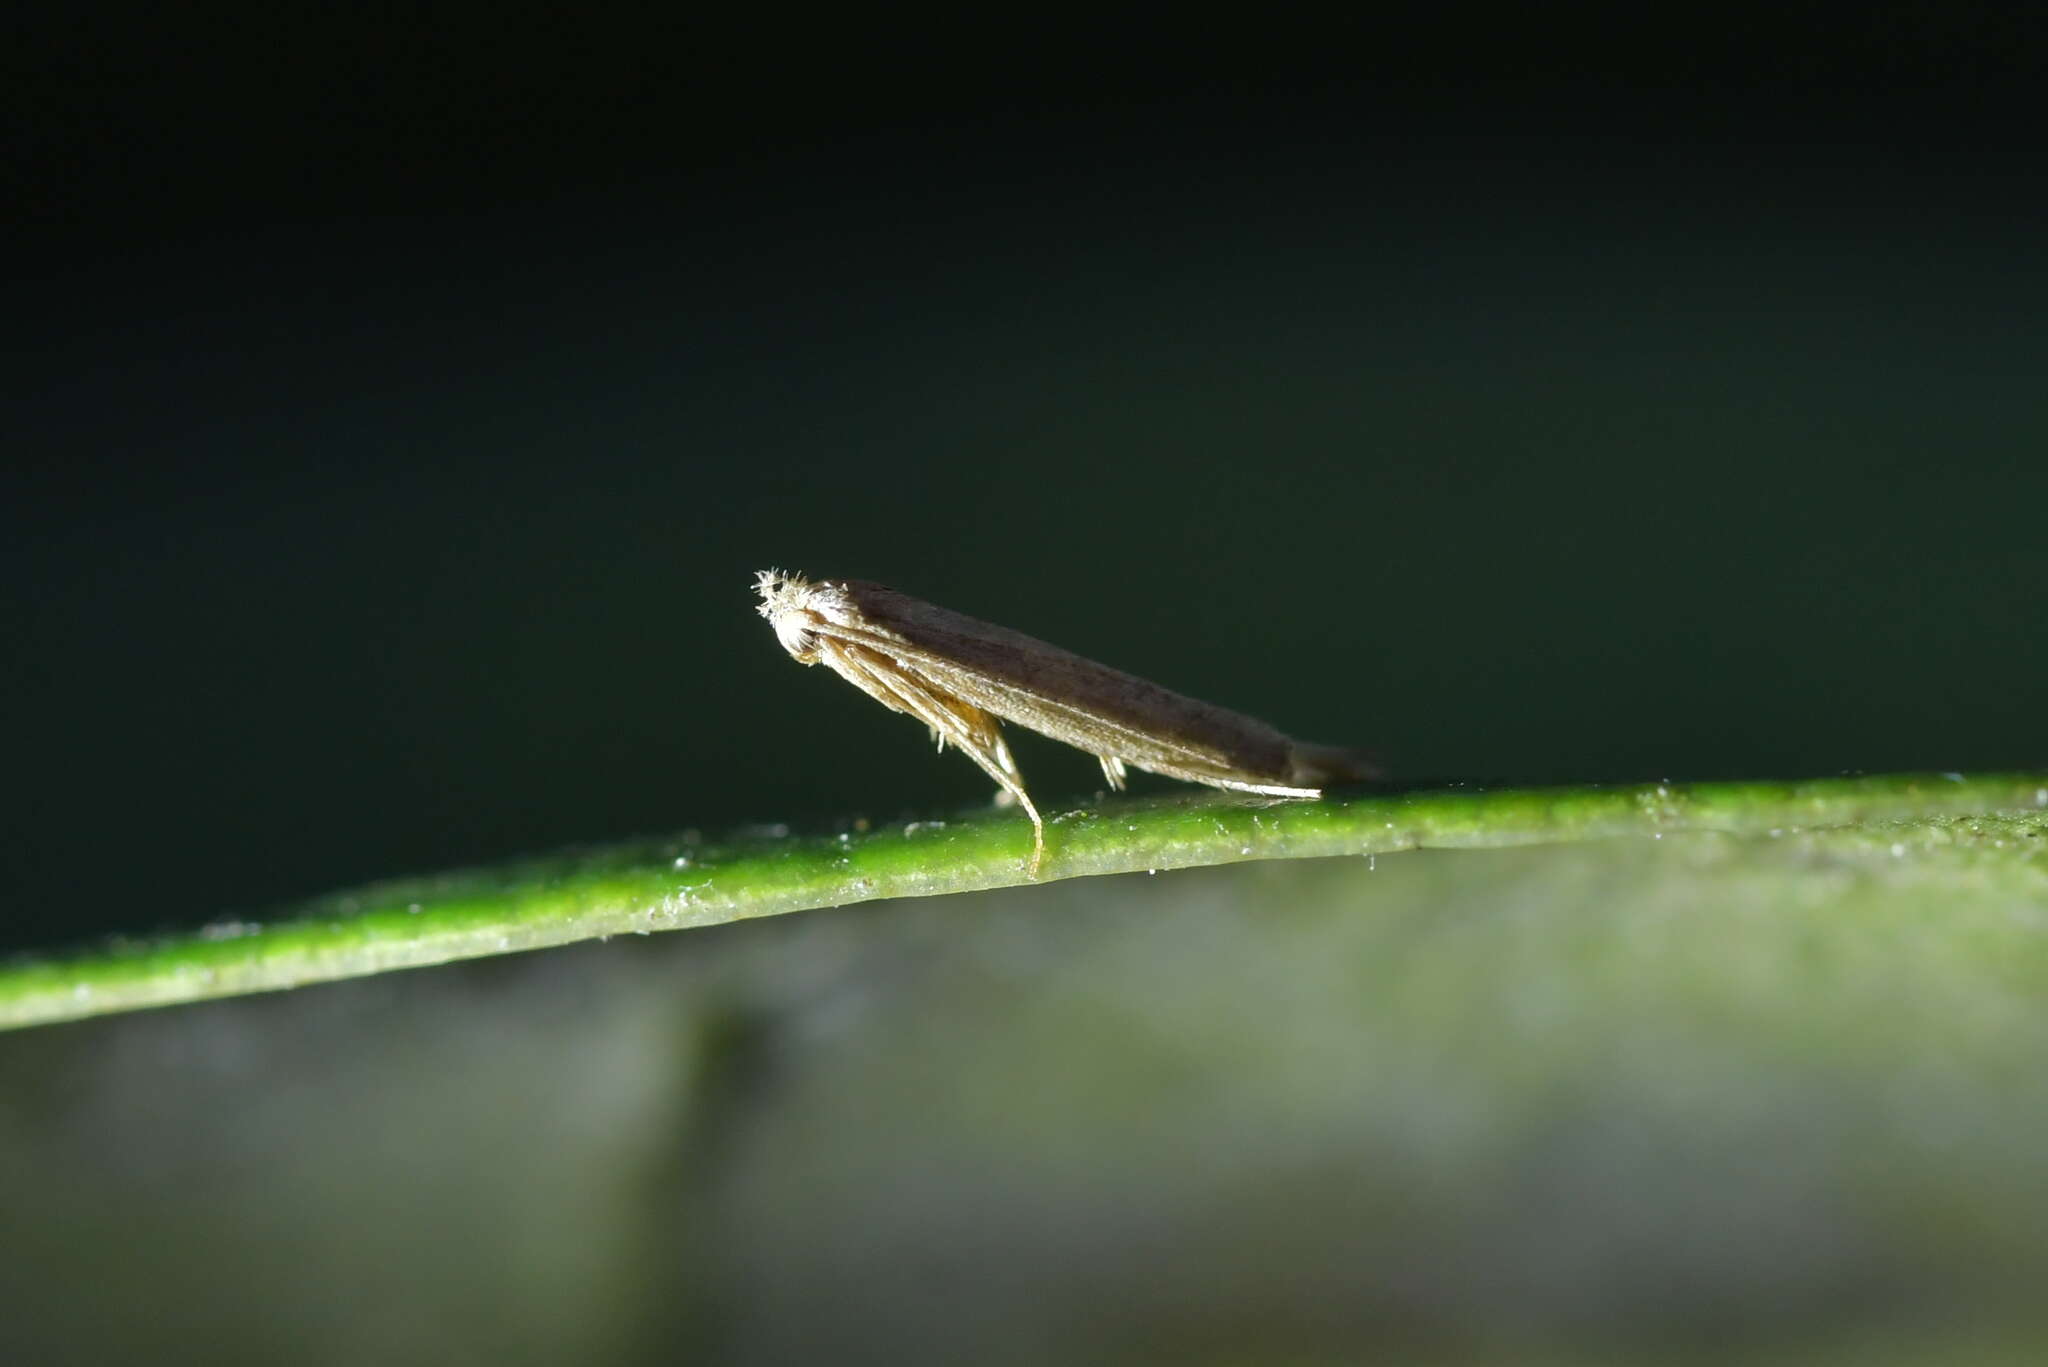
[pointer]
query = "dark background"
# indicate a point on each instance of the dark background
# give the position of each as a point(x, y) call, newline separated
point(397, 409)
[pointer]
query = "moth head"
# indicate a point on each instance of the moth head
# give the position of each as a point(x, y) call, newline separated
point(789, 602)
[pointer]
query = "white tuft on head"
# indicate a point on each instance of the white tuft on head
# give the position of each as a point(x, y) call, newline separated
point(786, 603)
point(774, 585)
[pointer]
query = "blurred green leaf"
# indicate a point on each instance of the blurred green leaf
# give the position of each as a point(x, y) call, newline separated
point(1696, 1093)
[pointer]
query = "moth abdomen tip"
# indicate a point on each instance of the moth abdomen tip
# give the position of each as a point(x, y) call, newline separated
point(1323, 766)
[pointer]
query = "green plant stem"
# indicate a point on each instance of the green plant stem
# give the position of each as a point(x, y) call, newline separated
point(687, 881)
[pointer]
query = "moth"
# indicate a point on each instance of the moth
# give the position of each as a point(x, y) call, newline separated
point(963, 678)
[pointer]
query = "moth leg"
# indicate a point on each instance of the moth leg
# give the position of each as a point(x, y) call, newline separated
point(951, 718)
point(1112, 771)
point(844, 663)
point(975, 734)
point(972, 731)
point(1000, 748)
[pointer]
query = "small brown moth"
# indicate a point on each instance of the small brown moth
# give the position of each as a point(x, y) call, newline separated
point(958, 675)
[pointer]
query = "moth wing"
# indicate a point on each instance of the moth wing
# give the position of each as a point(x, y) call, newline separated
point(1086, 729)
point(971, 729)
point(1101, 736)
